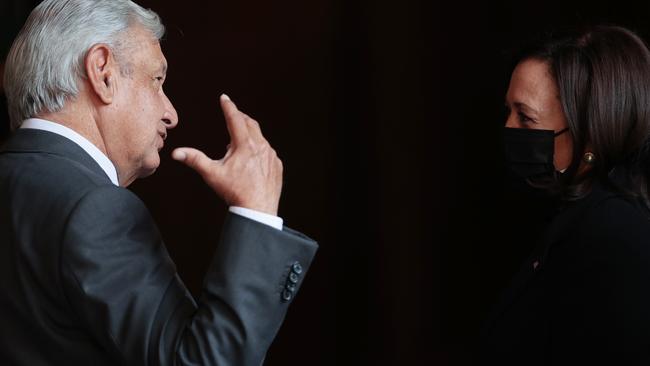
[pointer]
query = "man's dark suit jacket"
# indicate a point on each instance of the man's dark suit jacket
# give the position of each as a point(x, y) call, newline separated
point(85, 278)
point(583, 298)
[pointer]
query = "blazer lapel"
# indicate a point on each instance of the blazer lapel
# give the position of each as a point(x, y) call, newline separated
point(559, 228)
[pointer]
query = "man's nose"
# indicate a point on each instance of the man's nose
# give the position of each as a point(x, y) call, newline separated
point(170, 117)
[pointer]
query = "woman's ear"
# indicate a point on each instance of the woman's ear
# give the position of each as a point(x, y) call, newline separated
point(101, 71)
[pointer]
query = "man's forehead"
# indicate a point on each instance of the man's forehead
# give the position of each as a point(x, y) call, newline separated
point(150, 55)
point(156, 58)
point(141, 42)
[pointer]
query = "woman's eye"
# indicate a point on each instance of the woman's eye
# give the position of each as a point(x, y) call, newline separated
point(524, 118)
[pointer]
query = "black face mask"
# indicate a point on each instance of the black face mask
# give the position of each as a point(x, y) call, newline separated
point(529, 152)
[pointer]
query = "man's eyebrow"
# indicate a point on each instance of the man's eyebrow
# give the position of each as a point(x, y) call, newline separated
point(163, 68)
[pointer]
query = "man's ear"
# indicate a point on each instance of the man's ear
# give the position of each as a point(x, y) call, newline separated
point(101, 71)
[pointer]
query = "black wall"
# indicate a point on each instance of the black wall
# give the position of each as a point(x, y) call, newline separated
point(387, 116)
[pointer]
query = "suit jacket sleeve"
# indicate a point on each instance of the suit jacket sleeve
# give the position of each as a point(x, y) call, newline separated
point(122, 284)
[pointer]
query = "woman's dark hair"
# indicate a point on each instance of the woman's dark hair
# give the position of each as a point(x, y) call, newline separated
point(603, 77)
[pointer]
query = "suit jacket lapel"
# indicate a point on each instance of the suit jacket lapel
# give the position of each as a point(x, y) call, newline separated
point(557, 230)
point(45, 142)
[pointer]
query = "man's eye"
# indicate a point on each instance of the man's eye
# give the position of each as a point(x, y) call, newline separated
point(159, 78)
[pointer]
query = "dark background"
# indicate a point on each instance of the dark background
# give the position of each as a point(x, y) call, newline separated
point(387, 117)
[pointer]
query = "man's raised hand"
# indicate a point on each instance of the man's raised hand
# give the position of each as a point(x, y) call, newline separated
point(250, 174)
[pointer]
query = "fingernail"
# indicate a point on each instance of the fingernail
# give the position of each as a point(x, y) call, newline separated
point(225, 97)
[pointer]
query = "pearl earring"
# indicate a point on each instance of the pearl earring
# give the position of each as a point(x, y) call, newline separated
point(589, 158)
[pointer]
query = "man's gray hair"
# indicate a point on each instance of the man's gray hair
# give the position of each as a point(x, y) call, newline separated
point(46, 61)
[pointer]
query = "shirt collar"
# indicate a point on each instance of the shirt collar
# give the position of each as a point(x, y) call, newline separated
point(92, 150)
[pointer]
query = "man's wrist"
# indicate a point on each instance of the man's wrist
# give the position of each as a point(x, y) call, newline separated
point(261, 217)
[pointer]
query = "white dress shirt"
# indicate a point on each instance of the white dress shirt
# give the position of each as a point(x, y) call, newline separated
point(111, 172)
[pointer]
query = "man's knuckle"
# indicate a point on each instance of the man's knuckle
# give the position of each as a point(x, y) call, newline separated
point(251, 144)
point(191, 160)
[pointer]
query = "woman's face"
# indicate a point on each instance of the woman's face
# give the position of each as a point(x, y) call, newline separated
point(533, 102)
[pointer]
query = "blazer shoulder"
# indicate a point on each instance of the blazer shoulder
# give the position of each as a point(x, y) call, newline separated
point(614, 211)
point(48, 172)
point(41, 189)
point(616, 224)
point(110, 202)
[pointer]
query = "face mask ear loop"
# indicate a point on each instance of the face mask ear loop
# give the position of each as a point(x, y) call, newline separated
point(561, 132)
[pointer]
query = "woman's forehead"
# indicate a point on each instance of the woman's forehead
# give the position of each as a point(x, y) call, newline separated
point(532, 85)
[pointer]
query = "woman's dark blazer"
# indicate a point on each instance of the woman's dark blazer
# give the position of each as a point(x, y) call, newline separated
point(583, 297)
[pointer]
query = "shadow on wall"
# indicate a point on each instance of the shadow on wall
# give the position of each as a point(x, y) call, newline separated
point(4, 117)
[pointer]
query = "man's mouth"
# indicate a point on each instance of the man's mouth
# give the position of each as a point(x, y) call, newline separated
point(163, 137)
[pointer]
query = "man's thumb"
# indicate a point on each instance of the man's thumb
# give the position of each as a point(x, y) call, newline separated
point(193, 158)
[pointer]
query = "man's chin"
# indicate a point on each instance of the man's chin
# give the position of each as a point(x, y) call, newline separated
point(145, 169)
point(142, 173)
point(148, 170)
point(150, 167)
point(147, 173)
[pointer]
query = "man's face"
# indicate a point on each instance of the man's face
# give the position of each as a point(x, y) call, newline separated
point(141, 112)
